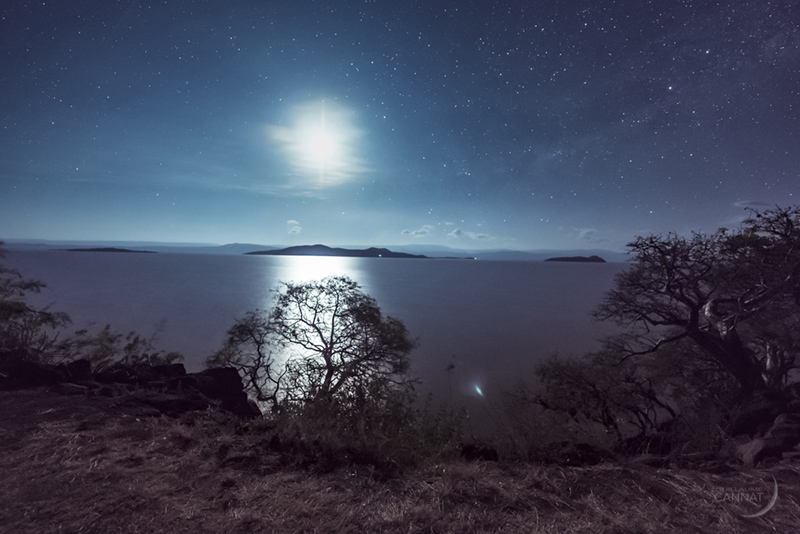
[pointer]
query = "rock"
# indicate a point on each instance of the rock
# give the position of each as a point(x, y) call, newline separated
point(79, 370)
point(186, 391)
point(225, 385)
point(782, 438)
point(757, 450)
point(170, 404)
point(793, 391)
point(757, 415)
point(158, 375)
point(749, 451)
point(117, 375)
point(772, 417)
point(148, 384)
point(17, 373)
point(785, 431)
point(171, 370)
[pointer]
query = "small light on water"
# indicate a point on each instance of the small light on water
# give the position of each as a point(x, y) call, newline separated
point(479, 390)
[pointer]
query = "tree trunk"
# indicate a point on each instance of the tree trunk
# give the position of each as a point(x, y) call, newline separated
point(734, 356)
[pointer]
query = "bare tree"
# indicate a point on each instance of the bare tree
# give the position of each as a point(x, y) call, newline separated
point(735, 295)
point(340, 345)
point(325, 344)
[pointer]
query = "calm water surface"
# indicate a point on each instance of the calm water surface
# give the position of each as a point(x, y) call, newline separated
point(493, 320)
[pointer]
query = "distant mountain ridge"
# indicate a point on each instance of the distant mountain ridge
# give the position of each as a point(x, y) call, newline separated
point(430, 251)
point(323, 250)
point(579, 259)
point(109, 249)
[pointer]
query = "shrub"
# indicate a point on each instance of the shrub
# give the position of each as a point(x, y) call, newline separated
point(24, 329)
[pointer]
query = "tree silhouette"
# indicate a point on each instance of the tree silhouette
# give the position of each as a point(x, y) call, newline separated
point(24, 330)
point(325, 343)
point(339, 344)
point(736, 296)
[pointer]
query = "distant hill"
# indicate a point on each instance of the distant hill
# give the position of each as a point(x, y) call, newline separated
point(584, 259)
point(322, 250)
point(428, 251)
point(229, 249)
point(109, 249)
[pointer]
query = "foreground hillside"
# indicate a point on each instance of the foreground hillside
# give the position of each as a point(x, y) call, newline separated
point(71, 463)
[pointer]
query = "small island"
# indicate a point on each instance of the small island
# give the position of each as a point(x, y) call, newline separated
point(584, 259)
point(322, 250)
point(110, 249)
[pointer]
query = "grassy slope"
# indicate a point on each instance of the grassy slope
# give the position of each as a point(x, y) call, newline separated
point(71, 464)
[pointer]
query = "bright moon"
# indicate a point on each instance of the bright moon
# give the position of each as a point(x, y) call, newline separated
point(320, 142)
point(321, 146)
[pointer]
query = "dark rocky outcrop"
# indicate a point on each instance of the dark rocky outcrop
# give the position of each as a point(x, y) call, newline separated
point(159, 390)
point(172, 404)
point(78, 370)
point(19, 372)
point(225, 385)
point(771, 421)
point(757, 415)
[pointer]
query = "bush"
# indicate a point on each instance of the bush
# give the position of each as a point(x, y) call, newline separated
point(108, 348)
point(23, 328)
point(334, 370)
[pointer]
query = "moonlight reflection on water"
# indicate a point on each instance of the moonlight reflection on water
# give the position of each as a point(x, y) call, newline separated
point(480, 325)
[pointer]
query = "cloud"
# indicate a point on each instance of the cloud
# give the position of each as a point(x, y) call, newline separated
point(590, 235)
point(455, 233)
point(423, 231)
point(477, 236)
point(294, 227)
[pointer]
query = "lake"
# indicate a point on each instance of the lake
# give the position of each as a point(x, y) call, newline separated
point(492, 320)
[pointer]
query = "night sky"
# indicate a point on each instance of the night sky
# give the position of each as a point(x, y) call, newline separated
point(471, 124)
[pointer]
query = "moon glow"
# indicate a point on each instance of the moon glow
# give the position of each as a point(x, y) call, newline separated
point(320, 144)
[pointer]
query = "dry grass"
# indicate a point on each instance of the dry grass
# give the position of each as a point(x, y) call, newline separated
point(76, 465)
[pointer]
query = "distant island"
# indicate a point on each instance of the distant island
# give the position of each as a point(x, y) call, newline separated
point(322, 250)
point(585, 259)
point(110, 249)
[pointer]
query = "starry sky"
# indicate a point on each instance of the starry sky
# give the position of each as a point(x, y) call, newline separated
point(470, 124)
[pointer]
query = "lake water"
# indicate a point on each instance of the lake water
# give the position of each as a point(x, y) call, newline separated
point(493, 320)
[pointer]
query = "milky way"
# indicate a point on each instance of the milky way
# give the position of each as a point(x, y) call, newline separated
point(573, 124)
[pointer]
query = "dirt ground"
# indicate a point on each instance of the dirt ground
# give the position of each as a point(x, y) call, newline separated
point(72, 463)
